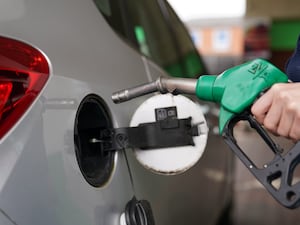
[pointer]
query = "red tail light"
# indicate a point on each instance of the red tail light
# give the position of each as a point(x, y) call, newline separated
point(23, 73)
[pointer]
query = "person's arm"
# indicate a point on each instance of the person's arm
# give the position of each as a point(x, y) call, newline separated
point(279, 110)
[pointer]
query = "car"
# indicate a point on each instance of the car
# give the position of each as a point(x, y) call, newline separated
point(61, 61)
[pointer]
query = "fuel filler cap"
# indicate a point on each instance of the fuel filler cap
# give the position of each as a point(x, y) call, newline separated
point(171, 160)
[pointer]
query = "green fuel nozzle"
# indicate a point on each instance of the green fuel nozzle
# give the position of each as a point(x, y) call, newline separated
point(235, 89)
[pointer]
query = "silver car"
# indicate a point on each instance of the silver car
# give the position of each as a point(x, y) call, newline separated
point(60, 62)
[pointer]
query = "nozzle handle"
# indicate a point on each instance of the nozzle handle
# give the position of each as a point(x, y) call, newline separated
point(280, 167)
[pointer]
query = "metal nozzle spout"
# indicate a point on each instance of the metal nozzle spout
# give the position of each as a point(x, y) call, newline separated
point(162, 85)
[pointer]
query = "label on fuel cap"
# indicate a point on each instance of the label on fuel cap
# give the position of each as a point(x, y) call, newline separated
point(175, 160)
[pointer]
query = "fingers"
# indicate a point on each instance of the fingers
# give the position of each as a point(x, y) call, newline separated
point(285, 124)
point(265, 108)
point(273, 117)
point(262, 106)
point(288, 99)
point(279, 110)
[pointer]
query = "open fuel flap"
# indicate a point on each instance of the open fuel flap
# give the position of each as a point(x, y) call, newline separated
point(166, 108)
point(167, 133)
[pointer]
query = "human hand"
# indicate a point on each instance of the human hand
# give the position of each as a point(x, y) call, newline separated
point(279, 110)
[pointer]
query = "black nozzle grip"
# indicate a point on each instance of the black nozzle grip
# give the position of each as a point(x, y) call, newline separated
point(280, 168)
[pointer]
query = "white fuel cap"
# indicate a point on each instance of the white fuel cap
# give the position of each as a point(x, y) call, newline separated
point(175, 160)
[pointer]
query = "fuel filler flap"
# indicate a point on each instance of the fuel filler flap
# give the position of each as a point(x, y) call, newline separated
point(171, 112)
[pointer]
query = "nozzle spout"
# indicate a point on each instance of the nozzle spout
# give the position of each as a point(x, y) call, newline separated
point(162, 84)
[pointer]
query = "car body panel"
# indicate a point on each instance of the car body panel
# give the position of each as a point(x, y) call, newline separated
point(41, 182)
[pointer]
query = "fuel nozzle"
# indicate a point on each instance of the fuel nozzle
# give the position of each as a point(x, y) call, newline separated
point(162, 84)
point(235, 89)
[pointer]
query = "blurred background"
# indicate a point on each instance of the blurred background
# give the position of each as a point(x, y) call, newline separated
point(227, 33)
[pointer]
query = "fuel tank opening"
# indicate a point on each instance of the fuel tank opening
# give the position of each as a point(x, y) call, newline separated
point(95, 164)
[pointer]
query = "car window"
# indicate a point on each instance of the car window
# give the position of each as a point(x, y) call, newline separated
point(151, 32)
point(111, 10)
point(191, 61)
point(154, 30)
